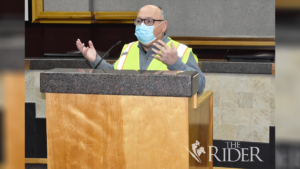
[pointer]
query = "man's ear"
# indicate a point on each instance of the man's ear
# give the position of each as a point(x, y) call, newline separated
point(165, 26)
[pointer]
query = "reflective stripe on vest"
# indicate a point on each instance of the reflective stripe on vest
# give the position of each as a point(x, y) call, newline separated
point(123, 57)
point(129, 58)
point(181, 49)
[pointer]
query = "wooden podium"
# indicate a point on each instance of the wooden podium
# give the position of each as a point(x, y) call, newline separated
point(110, 119)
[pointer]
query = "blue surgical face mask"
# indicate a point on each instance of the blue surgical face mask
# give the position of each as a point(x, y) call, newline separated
point(145, 34)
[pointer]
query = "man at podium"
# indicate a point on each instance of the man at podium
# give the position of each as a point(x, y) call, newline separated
point(154, 50)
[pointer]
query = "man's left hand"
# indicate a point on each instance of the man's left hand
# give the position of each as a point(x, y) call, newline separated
point(167, 55)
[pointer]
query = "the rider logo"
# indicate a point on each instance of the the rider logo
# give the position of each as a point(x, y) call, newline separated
point(197, 151)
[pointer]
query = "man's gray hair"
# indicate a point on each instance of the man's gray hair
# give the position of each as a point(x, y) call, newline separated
point(162, 14)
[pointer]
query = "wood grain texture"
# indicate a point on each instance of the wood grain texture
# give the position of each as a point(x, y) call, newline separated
point(195, 103)
point(200, 129)
point(44, 161)
point(116, 15)
point(107, 131)
point(12, 120)
point(273, 68)
point(287, 4)
point(56, 21)
point(65, 15)
point(37, 9)
point(35, 160)
point(27, 64)
point(204, 97)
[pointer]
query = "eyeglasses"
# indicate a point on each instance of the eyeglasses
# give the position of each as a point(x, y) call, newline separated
point(148, 22)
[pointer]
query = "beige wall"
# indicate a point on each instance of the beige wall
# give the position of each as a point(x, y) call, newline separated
point(244, 105)
point(33, 94)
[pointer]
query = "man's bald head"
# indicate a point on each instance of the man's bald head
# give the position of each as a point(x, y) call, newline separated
point(154, 10)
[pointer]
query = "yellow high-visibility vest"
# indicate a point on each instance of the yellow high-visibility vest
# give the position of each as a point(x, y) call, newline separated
point(130, 59)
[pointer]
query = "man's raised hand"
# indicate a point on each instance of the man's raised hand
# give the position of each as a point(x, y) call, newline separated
point(88, 52)
point(167, 55)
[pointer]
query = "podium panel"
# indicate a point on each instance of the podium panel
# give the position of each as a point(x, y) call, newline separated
point(107, 131)
point(88, 130)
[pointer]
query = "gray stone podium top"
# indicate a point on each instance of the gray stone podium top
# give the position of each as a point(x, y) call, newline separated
point(120, 82)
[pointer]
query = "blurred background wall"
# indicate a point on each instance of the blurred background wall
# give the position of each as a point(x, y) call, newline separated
point(186, 20)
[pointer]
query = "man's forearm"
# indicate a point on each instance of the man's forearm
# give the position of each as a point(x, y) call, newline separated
point(103, 65)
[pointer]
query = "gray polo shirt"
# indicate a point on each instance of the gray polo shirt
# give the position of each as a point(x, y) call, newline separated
point(146, 58)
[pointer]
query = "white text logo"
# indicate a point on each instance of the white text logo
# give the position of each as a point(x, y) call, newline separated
point(197, 151)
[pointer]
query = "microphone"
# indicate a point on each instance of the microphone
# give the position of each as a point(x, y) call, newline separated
point(106, 54)
point(225, 54)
